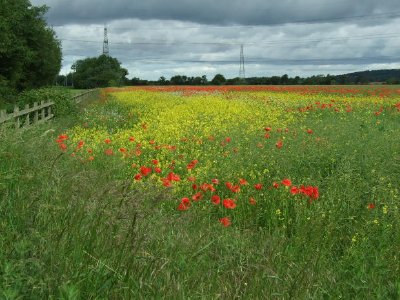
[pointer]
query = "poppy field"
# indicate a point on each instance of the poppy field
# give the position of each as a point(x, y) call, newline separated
point(223, 192)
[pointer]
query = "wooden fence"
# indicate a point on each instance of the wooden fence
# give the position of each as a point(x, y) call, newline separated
point(36, 114)
point(79, 98)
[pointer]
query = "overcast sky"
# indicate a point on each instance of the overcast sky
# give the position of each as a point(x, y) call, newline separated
point(153, 38)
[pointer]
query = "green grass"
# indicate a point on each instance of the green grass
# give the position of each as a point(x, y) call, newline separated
point(75, 230)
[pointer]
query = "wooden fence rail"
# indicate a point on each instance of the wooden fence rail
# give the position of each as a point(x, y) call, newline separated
point(38, 113)
point(85, 95)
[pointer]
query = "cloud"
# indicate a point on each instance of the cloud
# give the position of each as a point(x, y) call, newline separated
point(154, 38)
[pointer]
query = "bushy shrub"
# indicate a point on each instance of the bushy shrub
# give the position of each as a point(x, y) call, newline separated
point(64, 105)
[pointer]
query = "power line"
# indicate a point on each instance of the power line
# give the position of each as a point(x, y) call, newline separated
point(174, 43)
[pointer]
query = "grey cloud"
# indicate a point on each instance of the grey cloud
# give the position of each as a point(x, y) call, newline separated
point(251, 12)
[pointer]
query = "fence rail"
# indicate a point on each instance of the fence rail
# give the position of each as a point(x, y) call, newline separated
point(85, 95)
point(38, 113)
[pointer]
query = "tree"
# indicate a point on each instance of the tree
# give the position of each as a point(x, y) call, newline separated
point(218, 79)
point(99, 71)
point(30, 54)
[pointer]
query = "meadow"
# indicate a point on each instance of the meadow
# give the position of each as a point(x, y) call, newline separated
point(206, 192)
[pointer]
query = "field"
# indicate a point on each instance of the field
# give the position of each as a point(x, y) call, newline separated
point(207, 192)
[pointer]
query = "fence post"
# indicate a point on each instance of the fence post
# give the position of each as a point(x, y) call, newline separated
point(27, 116)
point(36, 115)
point(43, 110)
point(16, 111)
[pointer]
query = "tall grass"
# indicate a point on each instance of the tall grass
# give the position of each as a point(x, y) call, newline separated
point(74, 230)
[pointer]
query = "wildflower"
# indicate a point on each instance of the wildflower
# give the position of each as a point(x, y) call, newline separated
point(155, 162)
point(229, 203)
point(371, 206)
point(185, 201)
point(108, 152)
point(252, 201)
point(215, 181)
point(267, 135)
point(182, 207)
point(138, 177)
point(267, 129)
point(225, 221)
point(107, 141)
point(275, 185)
point(173, 177)
point(279, 144)
point(198, 196)
point(63, 147)
point(157, 170)
point(258, 186)
point(80, 144)
point(91, 158)
point(191, 178)
point(294, 190)
point(131, 139)
point(286, 182)
point(215, 199)
point(243, 181)
point(309, 131)
point(145, 170)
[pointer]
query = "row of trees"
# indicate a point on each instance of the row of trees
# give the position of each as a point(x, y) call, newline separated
point(30, 54)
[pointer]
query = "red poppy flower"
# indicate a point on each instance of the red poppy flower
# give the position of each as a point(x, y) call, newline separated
point(243, 181)
point(267, 129)
point(267, 136)
point(166, 182)
point(198, 196)
point(155, 162)
point(157, 170)
point(286, 182)
point(80, 144)
point(229, 203)
point(145, 170)
point(91, 158)
point(215, 199)
point(371, 206)
point(131, 139)
point(173, 177)
point(228, 139)
point(182, 207)
point(235, 189)
point(309, 131)
point(107, 141)
point(275, 185)
point(252, 201)
point(294, 190)
point(185, 201)
point(279, 144)
point(225, 221)
point(63, 147)
point(63, 137)
point(122, 150)
point(108, 152)
point(215, 181)
point(138, 177)
point(258, 186)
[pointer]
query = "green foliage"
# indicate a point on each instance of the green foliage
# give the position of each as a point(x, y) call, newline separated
point(99, 71)
point(64, 105)
point(218, 79)
point(30, 54)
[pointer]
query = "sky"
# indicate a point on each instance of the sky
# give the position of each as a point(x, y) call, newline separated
point(154, 38)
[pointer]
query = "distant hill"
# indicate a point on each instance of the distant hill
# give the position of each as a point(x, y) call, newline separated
point(385, 76)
